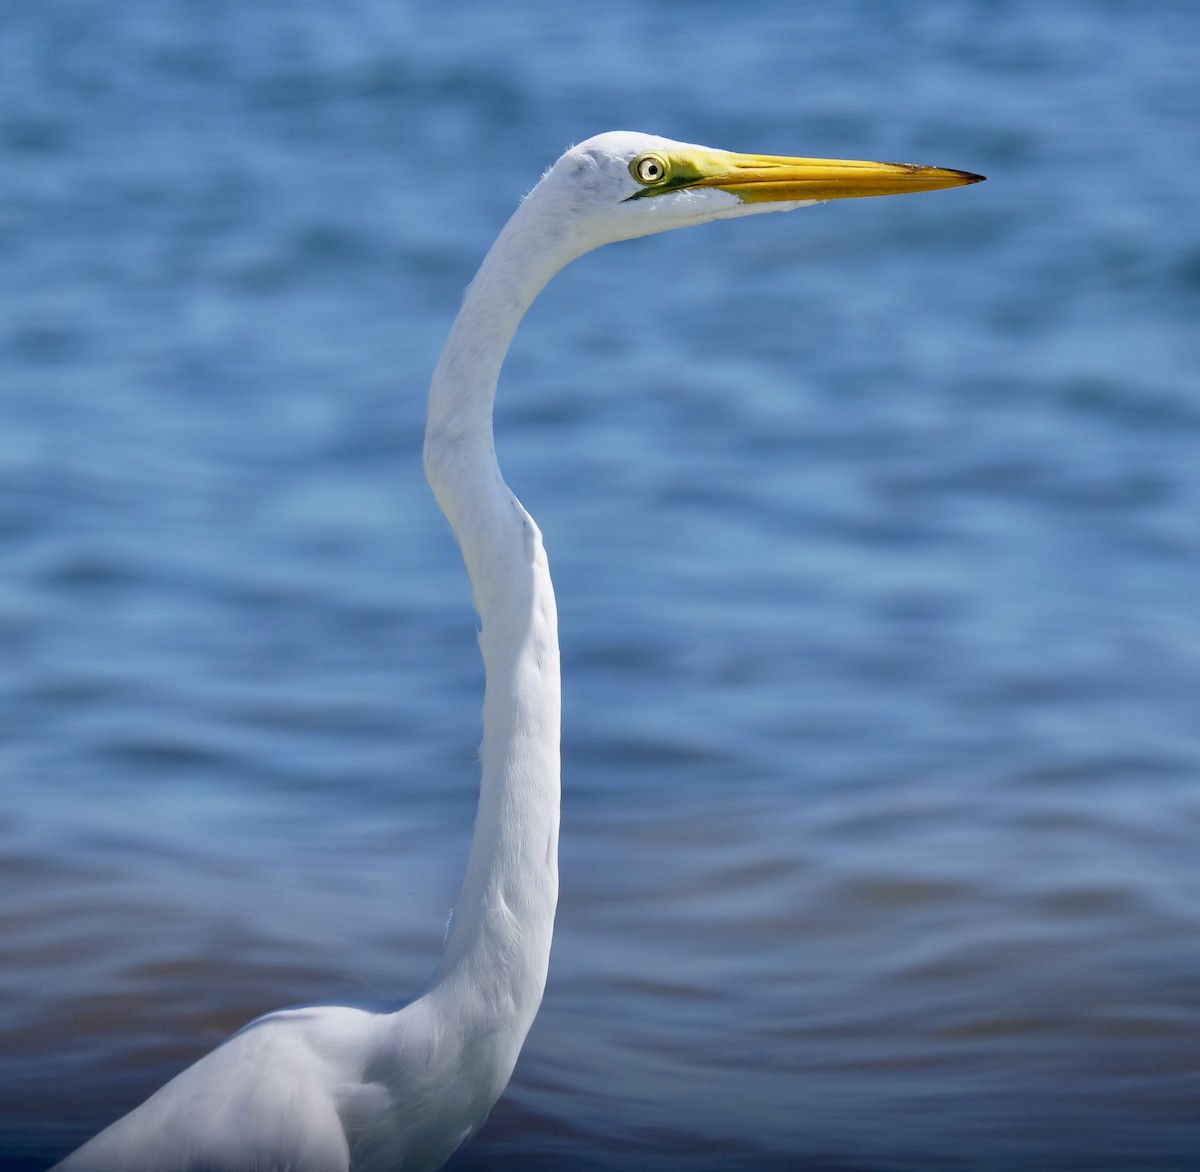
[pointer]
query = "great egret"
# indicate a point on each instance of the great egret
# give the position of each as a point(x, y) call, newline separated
point(324, 1088)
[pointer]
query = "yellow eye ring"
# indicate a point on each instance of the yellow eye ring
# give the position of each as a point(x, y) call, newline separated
point(649, 169)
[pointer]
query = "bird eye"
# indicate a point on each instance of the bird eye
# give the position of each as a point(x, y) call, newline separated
point(649, 169)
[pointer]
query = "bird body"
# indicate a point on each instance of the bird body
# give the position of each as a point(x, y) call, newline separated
point(333, 1088)
point(317, 1089)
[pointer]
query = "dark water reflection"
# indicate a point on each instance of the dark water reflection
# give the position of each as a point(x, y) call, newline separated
point(874, 529)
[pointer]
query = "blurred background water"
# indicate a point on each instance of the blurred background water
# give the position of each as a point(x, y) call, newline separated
point(874, 528)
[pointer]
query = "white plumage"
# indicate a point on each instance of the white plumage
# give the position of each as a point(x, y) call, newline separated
point(328, 1088)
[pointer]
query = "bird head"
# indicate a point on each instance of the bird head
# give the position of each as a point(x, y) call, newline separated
point(623, 184)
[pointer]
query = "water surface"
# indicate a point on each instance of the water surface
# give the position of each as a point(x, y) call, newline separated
point(874, 529)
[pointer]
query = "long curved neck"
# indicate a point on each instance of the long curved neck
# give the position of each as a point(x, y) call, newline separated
point(498, 946)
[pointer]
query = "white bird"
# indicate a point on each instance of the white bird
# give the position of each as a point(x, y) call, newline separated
point(329, 1088)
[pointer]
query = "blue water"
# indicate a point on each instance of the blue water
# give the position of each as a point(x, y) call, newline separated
point(875, 529)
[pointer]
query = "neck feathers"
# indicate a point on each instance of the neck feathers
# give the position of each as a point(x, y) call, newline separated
point(498, 947)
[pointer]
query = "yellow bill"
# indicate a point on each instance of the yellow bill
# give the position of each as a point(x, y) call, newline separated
point(771, 178)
